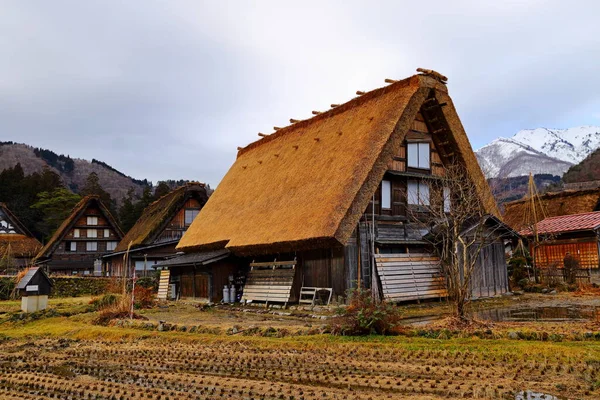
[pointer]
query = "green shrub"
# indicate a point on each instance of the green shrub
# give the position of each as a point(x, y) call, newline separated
point(105, 301)
point(7, 285)
point(364, 316)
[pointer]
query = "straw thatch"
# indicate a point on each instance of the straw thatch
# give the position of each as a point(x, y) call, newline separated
point(157, 215)
point(18, 245)
point(21, 244)
point(77, 212)
point(555, 204)
point(289, 191)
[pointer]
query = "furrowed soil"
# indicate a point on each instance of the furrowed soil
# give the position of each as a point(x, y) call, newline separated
point(68, 358)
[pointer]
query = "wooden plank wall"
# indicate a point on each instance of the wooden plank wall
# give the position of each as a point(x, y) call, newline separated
point(410, 277)
point(490, 276)
point(586, 252)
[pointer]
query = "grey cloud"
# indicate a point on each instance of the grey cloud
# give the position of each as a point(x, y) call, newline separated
point(170, 89)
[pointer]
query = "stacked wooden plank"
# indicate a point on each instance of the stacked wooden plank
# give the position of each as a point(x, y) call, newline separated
point(163, 284)
point(269, 284)
point(410, 277)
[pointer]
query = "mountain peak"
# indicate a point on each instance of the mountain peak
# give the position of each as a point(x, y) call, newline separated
point(538, 150)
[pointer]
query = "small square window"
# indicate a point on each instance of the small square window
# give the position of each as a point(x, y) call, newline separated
point(190, 215)
point(91, 246)
point(418, 155)
point(418, 193)
point(111, 246)
point(92, 220)
point(92, 233)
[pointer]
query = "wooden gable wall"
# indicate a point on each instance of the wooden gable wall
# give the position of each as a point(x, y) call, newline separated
point(176, 227)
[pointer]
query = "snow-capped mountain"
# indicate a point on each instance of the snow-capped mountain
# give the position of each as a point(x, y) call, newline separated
point(540, 151)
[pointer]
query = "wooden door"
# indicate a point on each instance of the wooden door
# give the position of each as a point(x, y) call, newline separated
point(201, 286)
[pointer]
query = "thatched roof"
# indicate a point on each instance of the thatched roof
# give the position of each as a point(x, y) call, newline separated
point(307, 185)
point(157, 215)
point(77, 212)
point(21, 244)
point(555, 204)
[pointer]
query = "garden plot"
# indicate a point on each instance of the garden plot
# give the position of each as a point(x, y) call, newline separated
point(260, 368)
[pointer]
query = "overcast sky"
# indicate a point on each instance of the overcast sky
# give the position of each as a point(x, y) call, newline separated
point(169, 89)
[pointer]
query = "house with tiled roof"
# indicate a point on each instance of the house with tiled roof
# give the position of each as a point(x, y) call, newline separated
point(576, 234)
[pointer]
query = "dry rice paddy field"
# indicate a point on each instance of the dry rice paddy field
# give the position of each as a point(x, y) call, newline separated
point(67, 358)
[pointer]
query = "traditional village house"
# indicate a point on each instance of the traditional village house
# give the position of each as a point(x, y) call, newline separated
point(18, 247)
point(552, 204)
point(78, 244)
point(575, 234)
point(309, 207)
point(156, 233)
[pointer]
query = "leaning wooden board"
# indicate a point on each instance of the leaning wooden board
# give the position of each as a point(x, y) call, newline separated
point(410, 277)
point(163, 284)
point(269, 285)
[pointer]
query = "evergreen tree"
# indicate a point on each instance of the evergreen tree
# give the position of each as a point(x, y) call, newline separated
point(161, 189)
point(55, 206)
point(92, 187)
point(128, 212)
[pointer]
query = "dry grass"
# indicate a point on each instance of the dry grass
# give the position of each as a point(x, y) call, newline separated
point(555, 204)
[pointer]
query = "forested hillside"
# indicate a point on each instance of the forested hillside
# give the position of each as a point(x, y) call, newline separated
point(41, 187)
point(587, 170)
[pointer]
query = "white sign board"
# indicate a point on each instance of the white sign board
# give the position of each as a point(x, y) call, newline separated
point(31, 288)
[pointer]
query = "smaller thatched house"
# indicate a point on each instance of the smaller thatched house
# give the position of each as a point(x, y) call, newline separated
point(156, 233)
point(18, 247)
point(575, 234)
point(554, 204)
point(78, 244)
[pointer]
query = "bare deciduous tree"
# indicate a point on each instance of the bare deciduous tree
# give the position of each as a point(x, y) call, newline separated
point(459, 228)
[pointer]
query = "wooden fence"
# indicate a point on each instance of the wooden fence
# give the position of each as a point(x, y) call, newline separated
point(559, 275)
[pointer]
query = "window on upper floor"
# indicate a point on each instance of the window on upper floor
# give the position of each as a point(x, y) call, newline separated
point(418, 193)
point(418, 155)
point(76, 233)
point(71, 246)
point(91, 246)
point(447, 200)
point(386, 194)
point(92, 233)
point(190, 214)
point(111, 246)
point(92, 220)
point(107, 233)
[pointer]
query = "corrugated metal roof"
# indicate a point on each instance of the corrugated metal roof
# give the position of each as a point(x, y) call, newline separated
point(27, 277)
point(567, 223)
point(195, 258)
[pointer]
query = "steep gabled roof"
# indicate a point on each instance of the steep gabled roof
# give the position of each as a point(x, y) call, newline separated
point(307, 185)
point(555, 204)
point(566, 223)
point(77, 212)
point(20, 244)
point(157, 215)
